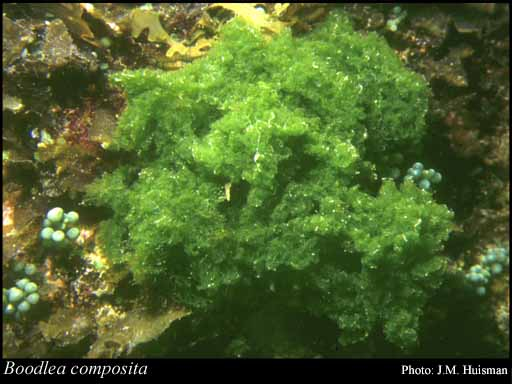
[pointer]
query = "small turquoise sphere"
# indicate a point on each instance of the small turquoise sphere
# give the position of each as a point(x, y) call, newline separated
point(414, 172)
point(436, 178)
point(55, 214)
point(391, 25)
point(47, 223)
point(473, 277)
point(30, 287)
point(21, 283)
point(18, 267)
point(424, 184)
point(15, 294)
point(105, 42)
point(24, 306)
point(73, 233)
point(46, 234)
point(33, 298)
point(496, 269)
point(30, 269)
point(58, 236)
point(418, 166)
point(428, 173)
point(490, 258)
point(9, 309)
point(480, 279)
point(71, 217)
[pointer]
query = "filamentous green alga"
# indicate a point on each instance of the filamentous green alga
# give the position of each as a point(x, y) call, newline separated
point(257, 163)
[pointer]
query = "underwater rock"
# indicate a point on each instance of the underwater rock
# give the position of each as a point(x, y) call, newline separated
point(102, 127)
point(19, 233)
point(365, 16)
point(449, 69)
point(11, 103)
point(74, 166)
point(67, 326)
point(71, 14)
point(431, 26)
point(499, 149)
point(97, 277)
point(16, 35)
point(58, 48)
point(120, 332)
point(301, 17)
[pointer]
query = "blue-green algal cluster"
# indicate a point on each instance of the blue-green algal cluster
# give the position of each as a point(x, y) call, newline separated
point(60, 227)
point(18, 299)
point(28, 268)
point(494, 262)
point(424, 178)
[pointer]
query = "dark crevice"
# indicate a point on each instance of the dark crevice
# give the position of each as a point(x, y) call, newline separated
point(296, 168)
point(334, 251)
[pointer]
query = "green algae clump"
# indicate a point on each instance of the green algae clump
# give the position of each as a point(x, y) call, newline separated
point(255, 167)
